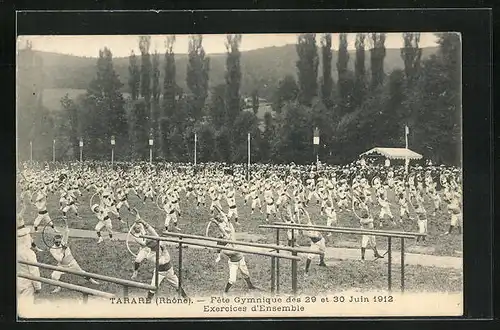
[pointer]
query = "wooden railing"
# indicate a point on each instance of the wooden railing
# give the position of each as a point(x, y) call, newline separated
point(275, 261)
point(184, 239)
point(126, 284)
point(356, 231)
point(84, 290)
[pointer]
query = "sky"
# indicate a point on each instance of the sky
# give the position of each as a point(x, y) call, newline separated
point(122, 45)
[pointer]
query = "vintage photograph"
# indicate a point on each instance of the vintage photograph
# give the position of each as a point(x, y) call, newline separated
point(239, 175)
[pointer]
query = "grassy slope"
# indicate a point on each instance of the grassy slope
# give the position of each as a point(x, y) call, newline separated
point(261, 68)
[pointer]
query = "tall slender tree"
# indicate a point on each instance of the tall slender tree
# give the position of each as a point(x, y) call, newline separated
point(307, 68)
point(233, 82)
point(169, 83)
point(233, 77)
point(169, 94)
point(411, 54)
point(267, 136)
point(377, 56)
point(326, 79)
point(146, 68)
point(106, 114)
point(134, 80)
point(155, 104)
point(155, 91)
point(139, 132)
point(197, 75)
point(343, 74)
point(436, 95)
point(217, 106)
point(359, 70)
point(73, 125)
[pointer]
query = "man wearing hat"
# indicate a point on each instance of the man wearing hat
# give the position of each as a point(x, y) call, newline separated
point(25, 232)
point(61, 252)
point(26, 289)
point(147, 252)
point(41, 205)
point(269, 198)
point(317, 244)
point(236, 260)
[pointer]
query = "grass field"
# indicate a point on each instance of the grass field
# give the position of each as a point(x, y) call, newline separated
point(194, 221)
point(202, 276)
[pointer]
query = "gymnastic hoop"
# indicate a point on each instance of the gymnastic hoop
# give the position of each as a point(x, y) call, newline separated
point(303, 211)
point(91, 199)
point(45, 233)
point(129, 235)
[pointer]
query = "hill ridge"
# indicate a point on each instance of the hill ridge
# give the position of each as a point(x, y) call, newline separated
point(262, 68)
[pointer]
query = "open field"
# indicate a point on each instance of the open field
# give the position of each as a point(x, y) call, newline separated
point(194, 221)
point(202, 276)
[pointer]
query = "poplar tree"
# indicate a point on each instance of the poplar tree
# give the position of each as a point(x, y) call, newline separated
point(146, 68)
point(411, 54)
point(307, 68)
point(377, 56)
point(232, 90)
point(169, 83)
point(73, 129)
point(155, 104)
point(233, 77)
point(343, 74)
point(359, 70)
point(197, 75)
point(326, 79)
point(106, 113)
point(134, 80)
point(169, 94)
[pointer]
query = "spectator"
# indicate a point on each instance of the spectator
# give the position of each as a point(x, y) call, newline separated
point(26, 289)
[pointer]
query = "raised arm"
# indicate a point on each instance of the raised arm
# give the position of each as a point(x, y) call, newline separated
point(151, 230)
point(146, 225)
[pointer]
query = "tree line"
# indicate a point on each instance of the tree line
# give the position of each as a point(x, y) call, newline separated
point(360, 109)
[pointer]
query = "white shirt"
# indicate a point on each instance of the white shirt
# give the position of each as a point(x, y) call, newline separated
point(63, 256)
point(26, 254)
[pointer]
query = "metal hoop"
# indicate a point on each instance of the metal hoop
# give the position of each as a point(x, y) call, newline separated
point(208, 228)
point(129, 233)
point(91, 198)
point(43, 236)
point(304, 211)
point(157, 197)
point(354, 200)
